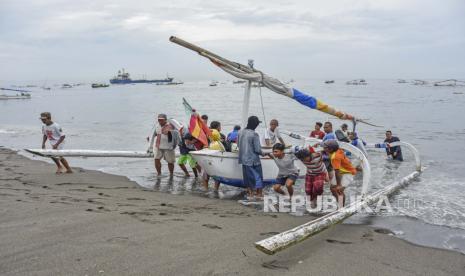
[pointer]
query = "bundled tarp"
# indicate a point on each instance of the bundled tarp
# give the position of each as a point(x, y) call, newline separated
point(248, 73)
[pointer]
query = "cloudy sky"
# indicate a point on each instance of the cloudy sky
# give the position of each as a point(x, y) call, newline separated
point(89, 40)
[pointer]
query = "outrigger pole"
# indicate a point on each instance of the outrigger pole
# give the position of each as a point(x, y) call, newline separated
point(293, 236)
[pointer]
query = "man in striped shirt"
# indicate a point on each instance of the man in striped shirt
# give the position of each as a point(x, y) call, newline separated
point(316, 173)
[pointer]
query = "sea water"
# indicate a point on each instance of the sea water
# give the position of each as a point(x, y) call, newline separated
point(120, 117)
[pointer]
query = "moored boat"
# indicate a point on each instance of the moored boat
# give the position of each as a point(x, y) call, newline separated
point(100, 85)
point(15, 97)
point(419, 82)
point(357, 82)
point(451, 82)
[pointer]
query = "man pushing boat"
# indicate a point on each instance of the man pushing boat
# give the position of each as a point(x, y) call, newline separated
point(249, 157)
point(166, 138)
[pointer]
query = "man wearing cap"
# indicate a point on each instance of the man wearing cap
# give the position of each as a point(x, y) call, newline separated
point(249, 157)
point(393, 151)
point(343, 170)
point(164, 140)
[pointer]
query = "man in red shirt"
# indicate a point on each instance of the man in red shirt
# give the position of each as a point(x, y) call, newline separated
point(317, 133)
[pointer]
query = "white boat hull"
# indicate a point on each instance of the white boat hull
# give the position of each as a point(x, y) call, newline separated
point(224, 167)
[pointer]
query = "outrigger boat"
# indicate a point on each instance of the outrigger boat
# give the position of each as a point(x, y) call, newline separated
point(451, 82)
point(357, 82)
point(224, 166)
point(24, 94)
point(100, 85)
point(419, 82)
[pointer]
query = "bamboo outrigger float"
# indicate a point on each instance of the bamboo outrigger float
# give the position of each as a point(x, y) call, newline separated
point(90, 153)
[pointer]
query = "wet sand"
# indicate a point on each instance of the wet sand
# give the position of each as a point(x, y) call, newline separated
point(92, 223)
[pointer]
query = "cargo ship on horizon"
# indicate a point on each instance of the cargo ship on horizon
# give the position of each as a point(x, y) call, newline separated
point(124, 78)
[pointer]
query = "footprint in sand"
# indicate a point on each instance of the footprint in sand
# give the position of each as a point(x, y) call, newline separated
point(367, 236)
point(274, 265)
point(339, 242)
point(211, 226)
point(384, 231)
point(121, 240)
point(78, 190)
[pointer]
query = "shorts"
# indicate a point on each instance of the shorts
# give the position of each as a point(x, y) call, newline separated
point(282, 179)
point(167, 154)
point(253, 176)
point(346, 179)
point(328, 165)
point(187, 159)
point(314, 184)
point(60, 146)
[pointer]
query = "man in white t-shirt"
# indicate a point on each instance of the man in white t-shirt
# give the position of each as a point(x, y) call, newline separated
point(272, 134)
point(53, 133)
point(164, 140)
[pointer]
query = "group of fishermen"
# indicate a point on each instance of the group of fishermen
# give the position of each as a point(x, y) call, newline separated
point(332, 165)
point(329, 166)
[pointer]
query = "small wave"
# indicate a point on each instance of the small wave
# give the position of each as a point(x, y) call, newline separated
point(7, 131)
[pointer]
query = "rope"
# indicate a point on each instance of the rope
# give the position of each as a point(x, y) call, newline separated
point(261, 101)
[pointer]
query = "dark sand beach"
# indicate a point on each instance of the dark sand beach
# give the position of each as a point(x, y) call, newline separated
point(92, 223)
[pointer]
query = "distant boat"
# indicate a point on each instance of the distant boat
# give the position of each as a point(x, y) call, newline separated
point(99, 85)
point(357, 82)
point(451, 82)
point(419, 82)
point(23, 95)
point(171, 83)
point(401, 81)
point(213, 83)
point(46, 88)
point(329, 81)
point(66, 86)
point(124, 78)
point(238, 81)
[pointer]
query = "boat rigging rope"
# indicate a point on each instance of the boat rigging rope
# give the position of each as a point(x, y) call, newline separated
point(261, 101)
